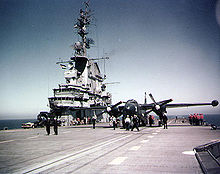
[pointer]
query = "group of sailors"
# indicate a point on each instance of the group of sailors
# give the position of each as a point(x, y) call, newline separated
point(78, 121)
point(196, 119)
point(131, 123)
point(52, 122)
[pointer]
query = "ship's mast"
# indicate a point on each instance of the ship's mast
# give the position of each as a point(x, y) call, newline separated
point(82, 27)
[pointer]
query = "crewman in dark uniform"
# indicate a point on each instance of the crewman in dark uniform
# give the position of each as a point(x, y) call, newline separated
point(84, 120)
point(165, 121)
point(150, 120)
point(94, 121)
point(135, 123)
point(48, 126)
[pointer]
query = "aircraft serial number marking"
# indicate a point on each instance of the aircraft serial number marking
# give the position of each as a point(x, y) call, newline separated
point(117, 160)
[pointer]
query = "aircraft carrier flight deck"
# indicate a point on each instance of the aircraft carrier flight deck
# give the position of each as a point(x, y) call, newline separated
point(104, 150)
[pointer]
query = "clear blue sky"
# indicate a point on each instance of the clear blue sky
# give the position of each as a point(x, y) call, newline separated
point(168, 48)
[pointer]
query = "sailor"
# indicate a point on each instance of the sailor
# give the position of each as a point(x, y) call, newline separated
point(114, 122)
point(94, 121)
point(201, 119)
point(55, 124)
point(117, 122)
point(48, 126)
point(135, 123)
point(127, 123)
point(151, 120)
point(165, 121)
point(84, 120)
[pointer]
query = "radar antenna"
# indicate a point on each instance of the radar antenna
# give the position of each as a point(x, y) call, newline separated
point(82, 25)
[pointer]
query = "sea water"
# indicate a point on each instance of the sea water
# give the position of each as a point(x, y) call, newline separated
point(212, 119)
point(14, 124)
point(208, 118)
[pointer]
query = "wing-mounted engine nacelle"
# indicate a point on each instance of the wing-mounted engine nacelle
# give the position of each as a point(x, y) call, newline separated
point(115, 111)
point(163, 109)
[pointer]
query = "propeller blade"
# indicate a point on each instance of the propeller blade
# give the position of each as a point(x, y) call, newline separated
point(167, 101)
point(117, 104)
point(108, 109)
point(152, 98)
point(148, 112)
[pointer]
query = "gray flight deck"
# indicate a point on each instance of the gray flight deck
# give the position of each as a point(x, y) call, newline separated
point(104, 150)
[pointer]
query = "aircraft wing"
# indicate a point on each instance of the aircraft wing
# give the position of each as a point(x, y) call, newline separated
point(176, 105)
point(151, 105)
point(146, 106)
point(213, 103)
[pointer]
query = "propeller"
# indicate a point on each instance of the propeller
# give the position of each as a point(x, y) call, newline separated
point(159, 107)
point(109, 109)
point(152, 98)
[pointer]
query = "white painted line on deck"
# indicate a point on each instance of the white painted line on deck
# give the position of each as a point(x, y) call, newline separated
point(32, 137)
point(38, 168)
point(154, 133)
point(188, 153)
point(117, 160)
point(66, 132)
point(7, 141)
point(158, 131)
point(135, 148)
point(150, 136)
point(144, 141)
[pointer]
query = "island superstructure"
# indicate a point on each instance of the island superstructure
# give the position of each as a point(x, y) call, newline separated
point(84, 87)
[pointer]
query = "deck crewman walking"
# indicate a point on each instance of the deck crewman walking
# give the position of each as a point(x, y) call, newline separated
point(127, 123)
point(55, 126)
point(94, 121)
point(135, 123)
point(114, 122)
point(165, 121)
point(48, 126)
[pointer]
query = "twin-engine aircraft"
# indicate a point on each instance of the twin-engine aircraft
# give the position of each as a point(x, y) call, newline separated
point(131, 107)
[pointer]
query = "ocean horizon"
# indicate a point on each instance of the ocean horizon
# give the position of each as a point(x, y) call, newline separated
point(16, 123)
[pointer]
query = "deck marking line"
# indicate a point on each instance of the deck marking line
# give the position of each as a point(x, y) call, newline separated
point(7, 141)
point(144, 141)
point(150, 136)
point(65, 132)
point(117, 160)
point(135, 148)
point(154, 133)
point(60, 160)
point(188, 153)
point(32, 137)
